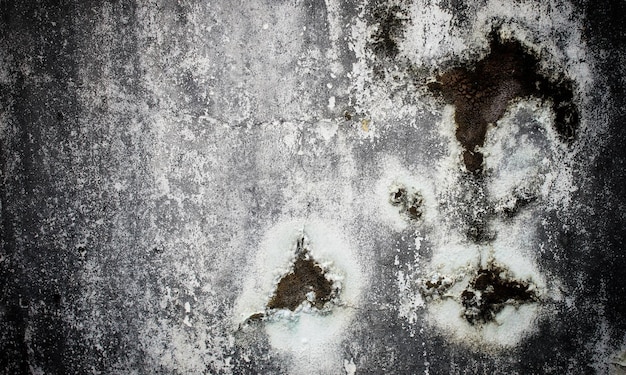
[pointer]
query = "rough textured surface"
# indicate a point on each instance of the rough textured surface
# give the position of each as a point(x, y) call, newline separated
point(149, 148)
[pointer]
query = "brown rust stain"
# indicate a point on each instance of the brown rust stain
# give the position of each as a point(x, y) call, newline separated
point(482, 93)
point(307, 276)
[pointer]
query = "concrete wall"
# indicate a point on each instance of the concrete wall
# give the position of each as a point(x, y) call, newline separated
point(174, 171)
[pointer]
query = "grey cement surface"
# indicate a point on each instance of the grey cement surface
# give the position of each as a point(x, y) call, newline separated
point(147, 148)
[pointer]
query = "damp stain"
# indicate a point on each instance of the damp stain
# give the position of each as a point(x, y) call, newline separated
point(306, 282)
point(481, 93)
point(490, 291)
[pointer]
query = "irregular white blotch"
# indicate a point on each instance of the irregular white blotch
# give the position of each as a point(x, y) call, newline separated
point(527, 155)
point(410, 301)
point(335, 29)
point(331, 102)
point(349, 366)
point(430, 37)
point(327, 130)
point(307, 335)
point(187, 307)
point(457, 258)
point(418, 243)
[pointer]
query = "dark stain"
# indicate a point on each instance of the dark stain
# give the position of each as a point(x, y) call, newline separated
point(390, 29)
point(6, 11)
point(434, 285)
point(488, 293)
point(411, 203)
point(482, 93)
point(414, 209)
point(520, 202)
point(307, 276)
point(347, 115)
point(430, 289)
point(256, 317)
point(398, 197)
point(478, 231)
point(459, 8)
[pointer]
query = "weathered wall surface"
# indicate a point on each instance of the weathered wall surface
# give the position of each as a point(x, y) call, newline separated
point(312, 187)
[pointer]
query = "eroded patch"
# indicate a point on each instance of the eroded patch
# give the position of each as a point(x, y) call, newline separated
point(481, 94)
point(490, 291)
point(306, 282)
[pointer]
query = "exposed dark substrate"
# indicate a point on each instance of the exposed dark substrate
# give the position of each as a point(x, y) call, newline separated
point(482, 92)
point(411, 204)
point(307, 276)
point(489, 292)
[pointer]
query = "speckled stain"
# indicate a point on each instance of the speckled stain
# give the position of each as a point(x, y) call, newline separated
point(148, 148)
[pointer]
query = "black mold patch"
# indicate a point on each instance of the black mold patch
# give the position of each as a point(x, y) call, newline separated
point(489, 292)
point(481, 94)
point(307, 276)
point(459, 9)
point(390, 29)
